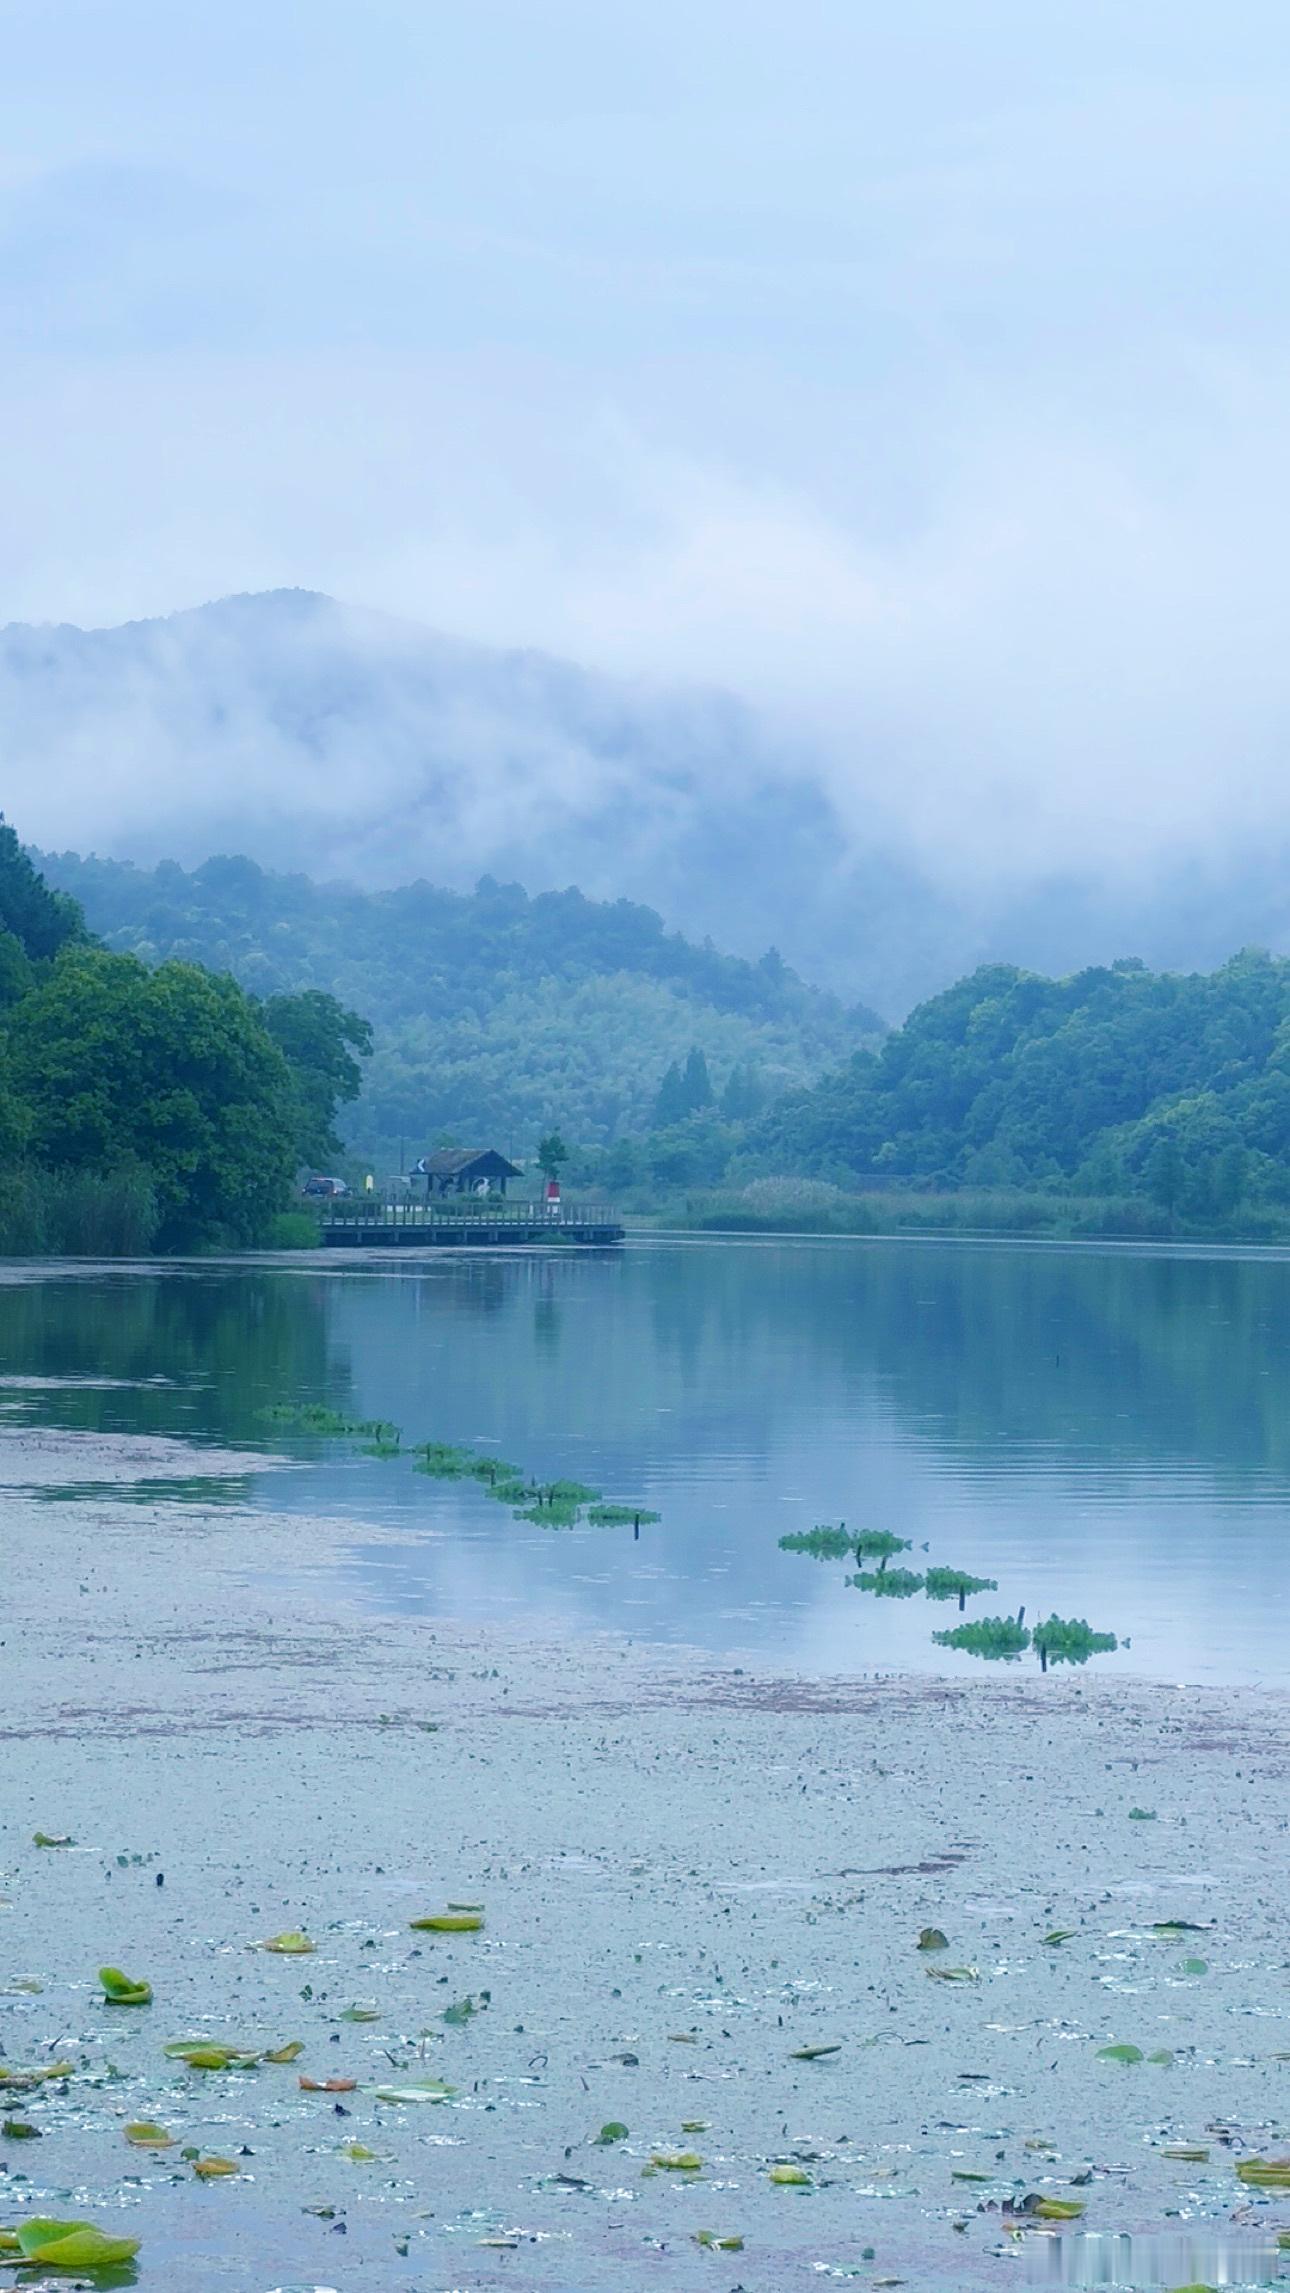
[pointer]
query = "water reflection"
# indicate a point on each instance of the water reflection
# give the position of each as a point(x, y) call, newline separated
point(1103, 1433)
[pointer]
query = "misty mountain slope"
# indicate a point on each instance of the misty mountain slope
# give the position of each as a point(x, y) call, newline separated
point(494, 1014)
point(347, 744)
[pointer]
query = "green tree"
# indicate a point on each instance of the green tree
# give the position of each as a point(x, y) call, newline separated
point(318, 1037)
point(552, 1154)
point(169, 1071)
point(40, 919)
point(1164, 1172)
point(696, 1082)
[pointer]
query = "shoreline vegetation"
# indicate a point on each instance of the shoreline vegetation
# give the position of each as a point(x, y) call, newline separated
point(811, 1207)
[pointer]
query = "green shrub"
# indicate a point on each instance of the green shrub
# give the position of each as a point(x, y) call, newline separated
point(292, 1230)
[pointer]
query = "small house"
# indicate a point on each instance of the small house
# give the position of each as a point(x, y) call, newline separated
point(465, 1170)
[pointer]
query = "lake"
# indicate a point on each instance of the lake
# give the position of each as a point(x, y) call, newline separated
point(1105, 1431)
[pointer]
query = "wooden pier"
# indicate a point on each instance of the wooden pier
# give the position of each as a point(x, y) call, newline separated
point(361, 1224)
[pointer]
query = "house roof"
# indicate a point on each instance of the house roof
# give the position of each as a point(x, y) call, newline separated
point(454, 1162)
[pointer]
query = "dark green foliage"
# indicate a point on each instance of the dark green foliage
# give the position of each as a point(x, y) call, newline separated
point(1069, 1640)
point(991, 1636)
point(40, 919)
point(889, 1583)
point(552, 1154)
point(823, 1543)
point(318, 1038)
point(955, 1584)
point(493, 1013)
point(169, 1072)
point(1117, 1082)
point(620, 1516)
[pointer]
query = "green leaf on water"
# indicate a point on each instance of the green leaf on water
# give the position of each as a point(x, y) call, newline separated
point(677, 2161)
point(418, 2090)
point(612, 2131)
point(814, 2053)
point(931, 1939)
point(448, 1923)
point(146, 2134)
point(953, 1974)
point(205, 2054)
point(790, 2177)
point(72, 2245)
point(1142, 1815)
point(1264, 2173)
point(1195, 1966)
point(18, 2130)
point(291, 2052)
point(1058, 1935)
point(52, 1839)
point(360, 2014)
point(291, 1945)
point(123, 1990)
point(1120, 2053)
point(711, 2243)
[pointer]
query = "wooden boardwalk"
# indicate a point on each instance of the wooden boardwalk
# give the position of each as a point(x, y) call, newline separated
point(359, 1224)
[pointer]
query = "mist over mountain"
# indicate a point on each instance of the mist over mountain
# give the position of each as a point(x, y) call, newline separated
point(318, 738)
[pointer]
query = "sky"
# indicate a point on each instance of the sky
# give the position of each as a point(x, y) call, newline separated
point(919, 372)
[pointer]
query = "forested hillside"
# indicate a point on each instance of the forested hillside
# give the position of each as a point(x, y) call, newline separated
point(493, 1014)
point(1119, 1081)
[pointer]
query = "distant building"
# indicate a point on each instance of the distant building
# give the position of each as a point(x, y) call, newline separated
point(465, 1170)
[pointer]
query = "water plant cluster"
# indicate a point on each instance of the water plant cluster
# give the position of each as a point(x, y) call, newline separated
point(557, 1504)
point(1059, 1640)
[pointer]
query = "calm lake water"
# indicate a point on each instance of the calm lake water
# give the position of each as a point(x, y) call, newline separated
point(1105, 1431)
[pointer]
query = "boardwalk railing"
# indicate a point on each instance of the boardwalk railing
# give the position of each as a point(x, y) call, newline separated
point(361, 1222)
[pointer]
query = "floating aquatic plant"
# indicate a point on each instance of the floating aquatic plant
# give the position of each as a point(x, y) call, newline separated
point(146, 2134)
point(73, 2245)
point(444, 1462)
point(956, 1584)
point(205, 2054)
point(888, 1583)
point(552, 1513)
point(822, 1543)
point(878, 1545)
point(291, 1945)
point(990, 1636)
point(121, 1990)
point(1069, 1640)
point(449, 1922)
point(619, 1516)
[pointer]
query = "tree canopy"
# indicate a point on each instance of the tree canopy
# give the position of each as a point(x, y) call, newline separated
point(1117, 1080)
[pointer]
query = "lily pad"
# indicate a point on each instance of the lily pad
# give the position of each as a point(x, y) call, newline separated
point(204, 2054)
point(214, 2169)
point(146, 2134)
point(122, 1990)
point(52, 1839)
point(291, 2052)
point(814, 2053)
point(292, 1945)
point(447, 1923)
point(677, 2161)
point(1264, 2173)
point(790, 2177)
point(420, 2090)
point(931, 1939)
point(72, 2245)
point(612, 2131)
point(1120, 2053)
